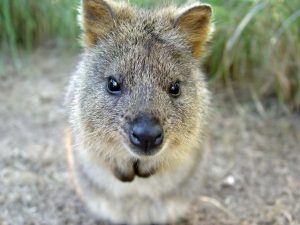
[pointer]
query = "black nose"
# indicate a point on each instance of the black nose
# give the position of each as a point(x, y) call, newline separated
point(146, 134)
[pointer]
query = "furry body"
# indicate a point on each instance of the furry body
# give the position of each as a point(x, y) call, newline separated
point(146, 52)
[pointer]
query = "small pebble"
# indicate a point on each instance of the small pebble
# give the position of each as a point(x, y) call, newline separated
point(229, 181)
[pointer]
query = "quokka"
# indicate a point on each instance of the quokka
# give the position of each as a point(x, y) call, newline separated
point(138, 105)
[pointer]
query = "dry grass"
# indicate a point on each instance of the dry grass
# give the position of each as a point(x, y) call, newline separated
point(256, 49)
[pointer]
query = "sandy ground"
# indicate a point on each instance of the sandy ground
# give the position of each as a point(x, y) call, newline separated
point(253, 174)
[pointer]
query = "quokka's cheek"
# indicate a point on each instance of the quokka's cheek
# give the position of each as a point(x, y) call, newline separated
point(174, 140)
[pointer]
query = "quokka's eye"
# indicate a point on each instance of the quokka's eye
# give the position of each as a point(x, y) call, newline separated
point(113, 87)
point(175, 89)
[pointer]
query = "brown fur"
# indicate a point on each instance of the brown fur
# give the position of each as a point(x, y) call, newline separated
point(146, 51)
point(195, 24)
point(99, 18)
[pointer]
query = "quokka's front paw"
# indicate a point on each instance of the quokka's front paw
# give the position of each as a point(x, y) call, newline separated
point(128, 173)
point(141, 172)
point(123, 175)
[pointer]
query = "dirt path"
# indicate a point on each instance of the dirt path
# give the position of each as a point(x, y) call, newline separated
point(253, 174)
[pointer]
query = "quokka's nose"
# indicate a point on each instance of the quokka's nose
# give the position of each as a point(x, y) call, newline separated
point(146, 134)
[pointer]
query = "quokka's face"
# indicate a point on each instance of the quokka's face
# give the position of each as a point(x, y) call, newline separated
point(142, 92)
point(141, 98)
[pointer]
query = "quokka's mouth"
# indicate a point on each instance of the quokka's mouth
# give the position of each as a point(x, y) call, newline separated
point(128, 176)
point(145, 153)
point(137, 153)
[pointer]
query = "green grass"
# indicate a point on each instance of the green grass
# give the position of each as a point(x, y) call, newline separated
point(29, 23)
point(255, 49)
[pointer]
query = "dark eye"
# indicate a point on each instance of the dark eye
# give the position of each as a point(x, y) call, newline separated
point(175, 90)
point(113, 87)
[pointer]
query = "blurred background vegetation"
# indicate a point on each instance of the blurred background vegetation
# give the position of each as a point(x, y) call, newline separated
point(255, 53)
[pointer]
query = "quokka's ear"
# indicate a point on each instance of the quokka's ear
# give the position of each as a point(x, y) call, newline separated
point(97, 18)
point(195, 24)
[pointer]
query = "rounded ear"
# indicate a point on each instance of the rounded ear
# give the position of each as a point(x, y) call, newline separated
point(97, 18)
point(195, 24)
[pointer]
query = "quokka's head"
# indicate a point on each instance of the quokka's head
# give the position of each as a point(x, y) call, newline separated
point(140, 91)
